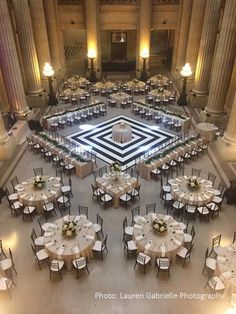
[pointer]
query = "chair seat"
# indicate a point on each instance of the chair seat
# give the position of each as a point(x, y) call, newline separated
point(42, 254)
point(133, 192)
point(48, 154)
point(131, 245)
point(173, 163)
point(6, 264)
point(62, 200)
point(5, 283)
point(180, 159)
point(129, 230)
point(13, 197)
point(69, 167)
point(46, 226)
point(48, 207)
point(65, 188)
point(211, 263)
point(29, 209)
point(147, 258)
point(98, 192)
point(178, 205)
point(212, 207)
point(219, 284)
point(187, 155)
point(97, 246)
point(217, 199)
point(18, 205)
point(182, 226)
point(182, 252)
point(39, 241)
point(167, 197)
point(106, 198)
point(156, 171)
point(203, 210)
point(187, 238)
point(165, 167)
point(166, 188)
point(125, 197)
point(82, 263)
point(191, 209)
point(59, 262)
point(162, 259)
point(216, 192)
point(137, 218)
point(97, 227)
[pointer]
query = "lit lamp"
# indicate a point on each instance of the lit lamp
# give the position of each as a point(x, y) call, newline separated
point(49, 72)
point(144, 55)
point(185, 73)
point(92, 56)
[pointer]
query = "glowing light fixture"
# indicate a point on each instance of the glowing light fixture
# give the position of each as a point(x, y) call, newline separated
point(49, 72)
point(185, 73)
point(186, 70)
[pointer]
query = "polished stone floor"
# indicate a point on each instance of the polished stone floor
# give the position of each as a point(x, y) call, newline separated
point(35, 293)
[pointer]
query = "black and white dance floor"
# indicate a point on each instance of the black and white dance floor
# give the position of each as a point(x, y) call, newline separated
point(98, 139)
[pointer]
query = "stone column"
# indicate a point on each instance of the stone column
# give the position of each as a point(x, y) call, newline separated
point(195, 32)
point(10, 65)
point(60, 36)
point(51, 22)
point(230, 133)
point(27, 45)
point(207, 46)
point(176, 40)
point(231, 90)
point(4, 104)
point(92, 27)
point(7, 143)
point(40, 33)
point(223, 61)
point(144, 31)
point(183, 33)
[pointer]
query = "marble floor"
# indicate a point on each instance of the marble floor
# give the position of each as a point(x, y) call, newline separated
point(35, 293)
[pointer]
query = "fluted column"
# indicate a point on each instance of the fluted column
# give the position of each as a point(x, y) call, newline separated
point(10, 65)
point(223, 61)
point(54, 45)
point(7, 143)
point(183, 33)
point(195, 31)
point(176, 40)
point(92, 27)
point(3, 132)
point(230, 133)
point(40, 33)
point(27, 46)
point(231, 90)
point(60, 36)
point(144, 32)
point(207, 46)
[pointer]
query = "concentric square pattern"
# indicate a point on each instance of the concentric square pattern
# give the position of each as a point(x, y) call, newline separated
point(99, 139)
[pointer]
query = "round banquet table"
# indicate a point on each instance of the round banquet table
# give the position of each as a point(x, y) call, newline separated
point(121, 133)
point(30, 195)
point(69, 248)
point(181, 192)
point(158, 245)
point(226, 267)
point(207, 131)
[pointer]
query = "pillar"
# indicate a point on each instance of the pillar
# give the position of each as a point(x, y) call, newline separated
point(207, 46)
point(144, 31)
point(183, 33)
point(7, 143)
point(195, 31)
point(40, 33)
point(10, 65)
point(176, 40)
point(92, 27)
point(60, 36)
point(223, 61)
point(27, 45)
point(231, 90)
point(54, 45)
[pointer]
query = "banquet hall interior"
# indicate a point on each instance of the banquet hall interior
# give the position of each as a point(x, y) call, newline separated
point(117, 156)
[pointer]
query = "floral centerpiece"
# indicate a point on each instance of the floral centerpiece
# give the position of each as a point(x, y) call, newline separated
point(159, 225)
point(69, 229)
point(193, 184)
point(39, 182)
point(116, 167)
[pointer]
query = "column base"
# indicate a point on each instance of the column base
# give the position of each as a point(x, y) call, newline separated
point(7, 148)
point(37, 101)
point(22, 115)
point(197, 100)
point(218, 120)
point(226, 150)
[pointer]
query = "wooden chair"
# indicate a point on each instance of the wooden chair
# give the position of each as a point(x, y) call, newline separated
point(210, 262)
point(38, 242)
point(211, 177)
point(215, 244)
point(38, 171)
point(127, 230)
point(150, 208)
point(130, 248)
point(99, 247)
point(80, 264)
point(56, 267)
point(135, 212)
point(99, 226)
point(83, 211)
point(163, 265)
point(2, 253)
point(8, 264)
point(41, 256)
point(142, 260)
point(196, 172)
point(184, 254)
point(14, 182)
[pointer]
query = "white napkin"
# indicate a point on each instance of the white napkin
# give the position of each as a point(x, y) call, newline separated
point(50, 179)
point(31, 198)
point(76, 249)
point(153, 216)
point(177, 241)
point(60, 250)
point(227, 274)
point(19, 188)
point(89, 237)
point(53, 192)
point(57, 184)
point(136, 226)
point(221, 258)
point(44, 197)
point(65, 218)
point(48, 233)
point(53, 226)
point(142, 219)
point(89, 224)
point(104, 183)
point(49, 244)
point(139, 237)
point(179, 231)
point(109, 186)
point(147, 246)
point(24, 182)
point(128, 183)
point(163, 250)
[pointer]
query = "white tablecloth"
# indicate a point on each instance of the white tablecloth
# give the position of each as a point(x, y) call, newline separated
point(181, 191)
point(121, 133)
point(67, 249)
point(30, 195)
point(207, 131)
point(158, 245)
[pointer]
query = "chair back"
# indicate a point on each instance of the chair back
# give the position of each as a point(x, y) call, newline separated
point(34, 250)
point(234, 237)
point(11, 256)
point(196, 172)
point(213, 254)
point(141, 259)
point(213, 283)
point(211, 177)
point(135, 212)
point(125, 223)
point(14, 182)
point(54, 266)
point(206, 254)
point(164, 264)
point(80, 263)
point(41, 220)
point(216, 241)
point(38, 171)
point(221, 188)
point(70, 182)
point(150, 208)
point(99, 220)
point(104, 243)
point(83, 210)
point(33, 235)
point(193, 232)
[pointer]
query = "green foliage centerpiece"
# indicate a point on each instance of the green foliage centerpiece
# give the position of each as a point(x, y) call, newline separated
point(69, 229)
point(39, 182)
point(159, 226)
point(116, 167)
point(193, 184)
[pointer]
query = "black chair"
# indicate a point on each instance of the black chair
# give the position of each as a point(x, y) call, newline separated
point(163, 265)
point(135, 212)
point(99, 226)
point(210, 262)
point(130, 248)
point(211, 177)
point(100, 247)
point(83, 211)
point(2, 253)
point(80, 264)
point(150, 208)
point(184, 254)
point(215, 243)
point(142, 260)
point(56, 266)
point(196, 172)
point(14, 182)
point(38, 171)
point(127, 230)
point(41, 256)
